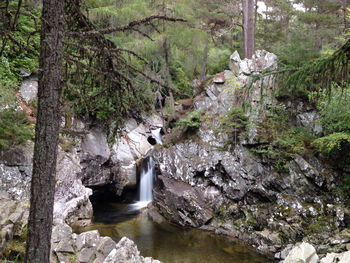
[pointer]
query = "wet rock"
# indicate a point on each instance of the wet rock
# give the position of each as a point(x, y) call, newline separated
point(132, 146)
point(302, 253)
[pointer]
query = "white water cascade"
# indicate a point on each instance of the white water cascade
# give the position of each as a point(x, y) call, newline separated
point(147, 175)
point(146, 182)
point(157, 135)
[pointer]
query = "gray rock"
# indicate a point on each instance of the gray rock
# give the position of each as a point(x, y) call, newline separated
point(336, 258)
point(64, 246)
point(29, 89)
point(95, 144)
point(302, 253)
point(309, 171)
point(105, 246)
point(127, 252)
point(88, 239)
point(86, 255)
point(72, 202)
point(311, 120)
point(235, 61)
point(61, 232)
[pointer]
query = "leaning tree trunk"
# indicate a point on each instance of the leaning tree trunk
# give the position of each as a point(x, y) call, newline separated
point(46, 133)
point(248, 7)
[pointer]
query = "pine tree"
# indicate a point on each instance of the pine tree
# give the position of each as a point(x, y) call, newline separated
point(46, 133)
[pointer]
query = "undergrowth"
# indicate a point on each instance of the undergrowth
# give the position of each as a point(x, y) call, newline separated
point(14, 128)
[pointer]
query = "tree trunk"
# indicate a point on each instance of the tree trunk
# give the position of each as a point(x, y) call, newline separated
point(167, 72)
point(345, 14)
point(248, 7)
point(205, 58)
point(46, 133)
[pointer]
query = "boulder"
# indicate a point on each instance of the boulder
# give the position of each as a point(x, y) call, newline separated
point(126, 252)
point(336, 258)
point(302, 253)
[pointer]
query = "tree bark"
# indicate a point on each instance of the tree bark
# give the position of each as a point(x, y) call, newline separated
point(205, 58)
point(46, 133)
point(345, 14)
point(168, 77)
point(248, 7)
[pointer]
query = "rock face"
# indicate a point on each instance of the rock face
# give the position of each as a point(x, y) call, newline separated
point(230, 190)
point(15, 170)
point(116, 166)
point(90, 247)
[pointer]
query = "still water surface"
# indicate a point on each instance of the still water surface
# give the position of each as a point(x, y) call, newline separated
point(166, 242)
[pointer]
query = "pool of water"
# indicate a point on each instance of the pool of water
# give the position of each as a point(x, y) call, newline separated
point(166, 242)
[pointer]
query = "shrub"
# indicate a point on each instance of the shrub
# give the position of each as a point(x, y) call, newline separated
point(192, 122)
point(335, 146)
point(14, 128)
point(233, 123)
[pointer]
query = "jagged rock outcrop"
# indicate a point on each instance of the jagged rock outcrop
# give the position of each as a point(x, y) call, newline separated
point(231, 190)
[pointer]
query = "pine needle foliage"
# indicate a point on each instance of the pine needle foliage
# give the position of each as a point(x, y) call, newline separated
point(320, 74)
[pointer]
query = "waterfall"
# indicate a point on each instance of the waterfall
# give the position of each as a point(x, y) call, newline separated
point(146, 182)
point(157, 135)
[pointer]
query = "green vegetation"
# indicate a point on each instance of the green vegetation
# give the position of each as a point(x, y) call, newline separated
point(192, 122)
point(233, 123)
point(279, 140)
point(334, 146)
point(14, 128)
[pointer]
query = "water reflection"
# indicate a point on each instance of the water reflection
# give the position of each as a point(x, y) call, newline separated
point(167, 242)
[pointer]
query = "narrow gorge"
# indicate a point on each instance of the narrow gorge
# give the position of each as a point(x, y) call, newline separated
point(203, 190)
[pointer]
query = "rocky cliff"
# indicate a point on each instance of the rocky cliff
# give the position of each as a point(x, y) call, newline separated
point(216, 178)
